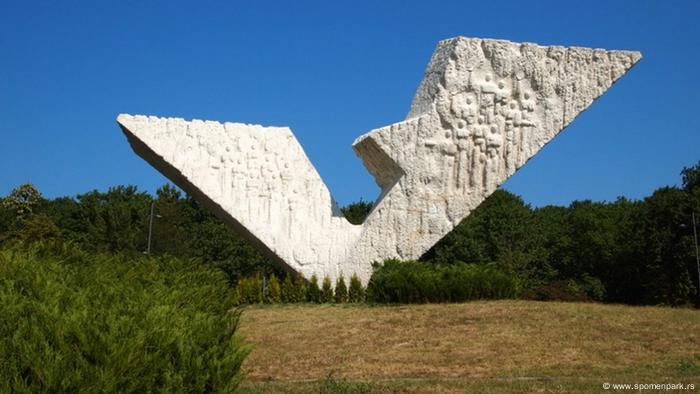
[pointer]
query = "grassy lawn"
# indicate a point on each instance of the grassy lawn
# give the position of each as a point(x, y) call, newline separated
point(490, 346)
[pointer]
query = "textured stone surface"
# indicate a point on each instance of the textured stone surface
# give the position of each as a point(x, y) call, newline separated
point(483, 109)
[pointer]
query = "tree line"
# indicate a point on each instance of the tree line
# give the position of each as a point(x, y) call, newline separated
point(118, 221)
point(625, 251)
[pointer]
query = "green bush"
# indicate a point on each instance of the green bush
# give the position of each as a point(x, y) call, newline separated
point(327, 291)
point(356, 293)
point(341, 290)
point(313, 293)
point(77, 323)
point(415, 282)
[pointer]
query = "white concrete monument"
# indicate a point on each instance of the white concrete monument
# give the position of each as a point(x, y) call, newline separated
point(483, 109)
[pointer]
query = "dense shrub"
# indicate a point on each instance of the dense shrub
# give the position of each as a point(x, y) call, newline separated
point(415, 282)
point(78, 323)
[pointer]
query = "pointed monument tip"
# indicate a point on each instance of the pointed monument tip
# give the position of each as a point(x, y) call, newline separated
point(123, 118)
point(633, 56)
point(636, 57)
point(131, 124)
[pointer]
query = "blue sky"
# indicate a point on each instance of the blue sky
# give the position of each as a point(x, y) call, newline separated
point(331, 70)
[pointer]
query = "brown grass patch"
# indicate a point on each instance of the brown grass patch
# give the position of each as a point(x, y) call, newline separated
point(497, 340)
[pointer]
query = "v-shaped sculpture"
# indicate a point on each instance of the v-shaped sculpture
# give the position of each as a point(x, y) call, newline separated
point(483, 109)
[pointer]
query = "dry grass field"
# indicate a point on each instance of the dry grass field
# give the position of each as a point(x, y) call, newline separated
point(490, 346)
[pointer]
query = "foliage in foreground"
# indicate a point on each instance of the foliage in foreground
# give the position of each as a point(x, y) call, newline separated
point(111, 323)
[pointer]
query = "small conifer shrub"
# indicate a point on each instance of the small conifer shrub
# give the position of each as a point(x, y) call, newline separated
point(300, 289)
point(274, 291)
point(250, 290)
point(288, 293)
point(341, 291)
point(356, 293)
point(313, 293)
point(327, 291)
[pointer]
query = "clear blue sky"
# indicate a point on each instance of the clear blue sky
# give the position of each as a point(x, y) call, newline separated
point(331, 70)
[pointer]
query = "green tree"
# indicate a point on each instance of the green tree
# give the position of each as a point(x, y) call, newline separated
point(65, 213)
point(39, 227)
point(24, 217)
point(6, 219)
point(691, 177)
point(116, 220)
point(497, 230)
point(169, 223)
point(551, 231)
point(621, 274)
point(593, 230)
point(669, 249)
point(500, 230)
point(357, 212)
point(23, 201)
point(341, 290)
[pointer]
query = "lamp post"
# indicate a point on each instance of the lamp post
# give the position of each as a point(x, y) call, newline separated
point(697, 256)
point(150, 228)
